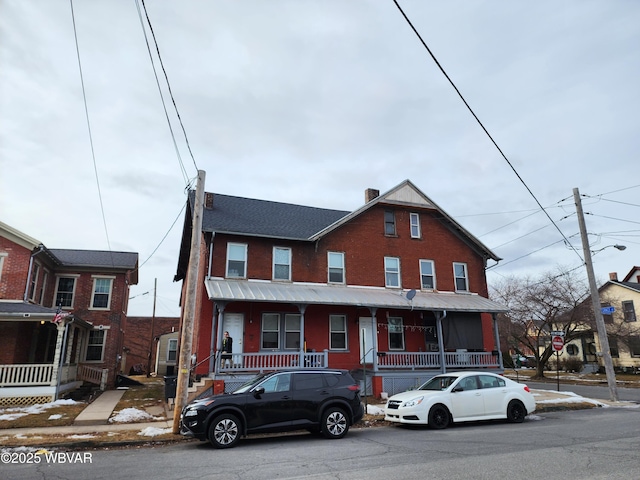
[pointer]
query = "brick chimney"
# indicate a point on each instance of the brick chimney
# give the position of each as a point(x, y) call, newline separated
point(208, 200)
point(371, 194)
point(613, 276)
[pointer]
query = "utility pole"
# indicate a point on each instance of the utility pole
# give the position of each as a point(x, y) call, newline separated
point(153, 320)
point(188, 319)
point(595, 300)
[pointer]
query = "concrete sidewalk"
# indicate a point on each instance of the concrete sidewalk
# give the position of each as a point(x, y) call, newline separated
point(99, 411)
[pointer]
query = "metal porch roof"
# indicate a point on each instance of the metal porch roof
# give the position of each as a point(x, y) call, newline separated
point(321, 294)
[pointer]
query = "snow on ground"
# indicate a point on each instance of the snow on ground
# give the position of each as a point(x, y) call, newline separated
point(569, 397)
point(153, 431)
point(86, 435)
point(13, 413)
point(375, 409)
point(133, 415)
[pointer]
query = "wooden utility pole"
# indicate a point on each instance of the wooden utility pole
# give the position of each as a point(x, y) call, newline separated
point(188, 319)
point(153, 320)
point(595, 300)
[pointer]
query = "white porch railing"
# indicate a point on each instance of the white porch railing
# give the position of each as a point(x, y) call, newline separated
point(93, 375)
point(424, 360)
point(22, 375)
point(251, 362)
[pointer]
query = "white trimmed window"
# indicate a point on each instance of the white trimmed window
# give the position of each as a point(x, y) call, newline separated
point(95, 345)
point(281, 329)
point(337, 332)
point(236, 260)
point(335, 261)
point(460, 276)
point(396, 333)
point(101, 296)
point(292, 331)
point(270, 331)
point(2, 257)
point(389, 222)
point(43, 287)
point(65, 290)
point(281, 263)
point(427, 275)
point(392, 272)
point(628, 311)
point(414, 219)
point(33, 282)
point(172, 350)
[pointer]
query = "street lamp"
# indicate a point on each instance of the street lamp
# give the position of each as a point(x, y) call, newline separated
point(595, 299)
point(618, 247)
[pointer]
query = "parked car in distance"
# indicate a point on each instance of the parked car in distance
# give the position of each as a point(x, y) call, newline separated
point(461, 397)
point(326, 401)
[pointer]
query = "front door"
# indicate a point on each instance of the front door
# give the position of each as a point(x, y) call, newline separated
point(234, 324)
point(366, 340)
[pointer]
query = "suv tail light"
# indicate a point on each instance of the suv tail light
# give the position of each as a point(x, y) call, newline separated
point(354, 388)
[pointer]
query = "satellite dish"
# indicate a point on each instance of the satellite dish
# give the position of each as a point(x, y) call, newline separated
point(411, 294)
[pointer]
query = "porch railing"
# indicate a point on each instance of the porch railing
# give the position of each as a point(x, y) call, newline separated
point(94, 375)
point(422, 360)
point(21, 375)
point(251, 362)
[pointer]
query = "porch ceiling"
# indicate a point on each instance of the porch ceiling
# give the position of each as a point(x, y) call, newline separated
point(220, 289)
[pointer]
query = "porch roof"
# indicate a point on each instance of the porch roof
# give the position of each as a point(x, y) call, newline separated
point(220, 289)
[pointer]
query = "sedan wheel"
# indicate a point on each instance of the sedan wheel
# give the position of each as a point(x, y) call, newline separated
point(224, 431)
point(334, 423)
point(516, 411)
point(439, 417)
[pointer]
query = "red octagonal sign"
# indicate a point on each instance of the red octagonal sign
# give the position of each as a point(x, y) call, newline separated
point(558, 342)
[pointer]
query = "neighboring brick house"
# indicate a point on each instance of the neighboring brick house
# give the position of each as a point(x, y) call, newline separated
point(41, 355)
point(395, 291)
point(144, 345)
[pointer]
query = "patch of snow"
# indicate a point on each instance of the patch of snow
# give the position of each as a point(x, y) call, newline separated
point(153, 431)
point(132, 415)
point(570, 397)
point(56, 416)
point(375, 410)
point(12, 413)
point(86, 435)
point(535, 418)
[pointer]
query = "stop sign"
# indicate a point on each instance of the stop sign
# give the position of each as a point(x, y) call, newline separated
point(558, 342)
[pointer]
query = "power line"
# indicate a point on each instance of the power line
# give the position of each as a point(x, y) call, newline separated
point(86, 112)
point(166, 77)
point(481, 124)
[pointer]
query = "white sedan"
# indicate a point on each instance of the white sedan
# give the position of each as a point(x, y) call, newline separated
point(461, 397)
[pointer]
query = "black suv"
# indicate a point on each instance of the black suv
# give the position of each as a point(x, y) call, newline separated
point(327, 401)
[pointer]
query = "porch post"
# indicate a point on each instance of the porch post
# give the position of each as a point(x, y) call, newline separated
point(220, 306)
point(497, 339)
point(302, 308)
point(58, 353)
point(439, 317)
point(374, 334)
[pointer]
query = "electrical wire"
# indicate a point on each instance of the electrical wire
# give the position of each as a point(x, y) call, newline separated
point(86, 112)
point(482, 126)
point(166, 77)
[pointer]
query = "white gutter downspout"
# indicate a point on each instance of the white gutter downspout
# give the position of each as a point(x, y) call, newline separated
point(213, 236)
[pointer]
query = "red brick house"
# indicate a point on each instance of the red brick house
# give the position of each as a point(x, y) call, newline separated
point(43, 356)
point(394, 291)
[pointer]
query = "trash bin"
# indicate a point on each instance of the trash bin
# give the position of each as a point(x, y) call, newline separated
point(170, 387)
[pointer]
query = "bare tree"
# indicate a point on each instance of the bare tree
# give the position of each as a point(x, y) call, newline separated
point(538, 306)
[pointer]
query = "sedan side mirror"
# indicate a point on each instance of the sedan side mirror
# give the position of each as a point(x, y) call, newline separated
point(458, 389)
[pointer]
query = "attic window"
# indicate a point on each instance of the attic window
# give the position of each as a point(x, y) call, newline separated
point(389, 222)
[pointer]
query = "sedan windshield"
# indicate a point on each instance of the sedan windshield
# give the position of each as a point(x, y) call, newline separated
point(438, 383)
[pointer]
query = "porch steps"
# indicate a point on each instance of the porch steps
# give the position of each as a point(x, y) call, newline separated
point(199, 388)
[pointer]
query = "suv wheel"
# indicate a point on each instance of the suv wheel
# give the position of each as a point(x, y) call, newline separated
point(334, 423)
point(224, 431)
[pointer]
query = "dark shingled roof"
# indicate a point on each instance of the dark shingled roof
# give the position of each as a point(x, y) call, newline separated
point(265, 218)
point(24, 307)
point(632, 285)
point(95, 258)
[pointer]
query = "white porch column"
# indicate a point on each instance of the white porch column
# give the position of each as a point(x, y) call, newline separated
point(58, 353)
point(374, 334)
point(497, 338)
point(301, 309)
point(439, 317)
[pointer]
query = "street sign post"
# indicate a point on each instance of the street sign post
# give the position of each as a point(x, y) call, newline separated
point(608, 310)
point(557, 342)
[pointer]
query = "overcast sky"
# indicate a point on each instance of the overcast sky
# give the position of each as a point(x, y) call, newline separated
point(312, 102)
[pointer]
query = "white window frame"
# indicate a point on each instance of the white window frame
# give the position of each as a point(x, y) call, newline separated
point(73, 292)
point(331, 266)
point(94, 292)
point(33, 281)
point(342, 332)
point(288, 264)
point(173, 341)
point(388, 270)
point(2, 257)
point(262, 331)
point(398, 327)
point(424, 262)
point(243, 274)
point(289, 328)
point(414, 220)
point(456, 277)
point(45, 280)
point(103, 345)
point(628, 314)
